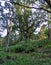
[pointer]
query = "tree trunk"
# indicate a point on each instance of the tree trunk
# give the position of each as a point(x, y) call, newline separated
point(49, 31)
point(8, 36)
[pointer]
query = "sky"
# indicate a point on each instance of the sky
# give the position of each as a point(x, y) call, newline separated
point(3, 4)
point(3, 33)
point(39, 28)
point(37, 4)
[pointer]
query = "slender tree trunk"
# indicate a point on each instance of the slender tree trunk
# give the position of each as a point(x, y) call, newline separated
point(8, 37)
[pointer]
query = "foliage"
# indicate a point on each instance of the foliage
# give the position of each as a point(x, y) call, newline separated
point(37, 48)
point(28, 47)
point(40, 55)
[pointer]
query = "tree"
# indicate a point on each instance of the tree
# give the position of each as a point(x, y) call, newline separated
point(28, 21)
point(25, 21)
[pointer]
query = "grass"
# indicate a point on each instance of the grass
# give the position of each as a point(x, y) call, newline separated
point(32, 53)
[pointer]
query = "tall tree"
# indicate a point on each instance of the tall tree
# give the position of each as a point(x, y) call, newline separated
point(28, 21)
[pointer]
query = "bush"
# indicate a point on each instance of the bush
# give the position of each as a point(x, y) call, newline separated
point(28, 47)
point(34, 58)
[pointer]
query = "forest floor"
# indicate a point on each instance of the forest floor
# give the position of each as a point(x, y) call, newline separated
point(32, 53)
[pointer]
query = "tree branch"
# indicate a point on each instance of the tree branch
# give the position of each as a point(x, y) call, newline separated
point(32, 7)
point(48, 2)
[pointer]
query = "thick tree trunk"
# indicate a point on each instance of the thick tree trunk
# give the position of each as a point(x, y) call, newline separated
point(27, 37)
point(27, 31)
point(49, 31)
point(49, 34)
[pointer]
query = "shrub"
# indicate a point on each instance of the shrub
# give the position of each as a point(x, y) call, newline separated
point(28, 47)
